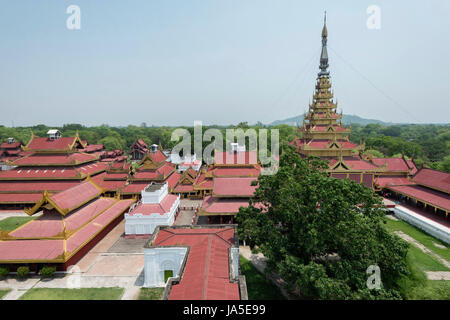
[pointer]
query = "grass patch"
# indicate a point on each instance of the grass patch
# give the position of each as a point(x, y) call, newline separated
point(13, 223)
point(151, 294)
point(420, 236)
point(3, 292)
point(258, 286)
point(73, 294)
point(417, 287)
point(423, 261)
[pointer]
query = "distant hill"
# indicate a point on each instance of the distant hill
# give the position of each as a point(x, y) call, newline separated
point(346, 119)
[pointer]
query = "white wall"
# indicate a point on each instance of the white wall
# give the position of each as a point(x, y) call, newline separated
point(429, 226)
point(155, 196)
point(159, 259)
point(140, 224)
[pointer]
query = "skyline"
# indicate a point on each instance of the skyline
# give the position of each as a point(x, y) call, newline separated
point(219, 62)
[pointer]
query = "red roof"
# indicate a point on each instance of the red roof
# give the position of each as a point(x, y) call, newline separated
point(392, 181)
point(76, 196)
point(36, 186)
point(236, 187)
point(206, 273)
point(25, 173)
point(241, 157)
point(135, 187)
point(173, 179)
point(31, 249)
point(393, 164)
point(223, 205)
point(158, 208)
point(20, 197)
point(48, 225)
point(358, 164)
point(420, 193)
point(80, 217)
point(203, 182)
point(237, 172)
point(92, 219)
point(93, 148)
point(14, 145)
point(433, 179)
point(158, 156)
point(55, 159)
point(40, 143)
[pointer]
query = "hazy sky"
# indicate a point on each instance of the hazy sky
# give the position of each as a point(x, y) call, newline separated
point(220, 61)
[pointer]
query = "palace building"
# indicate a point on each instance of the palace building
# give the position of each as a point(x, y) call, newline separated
point(10, 151)
point(72, 222)
point(152, 168)
point(51, 164)
point(324, 136)
point(421, 197)
point(228, 184)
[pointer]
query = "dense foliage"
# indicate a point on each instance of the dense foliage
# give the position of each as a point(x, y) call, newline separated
point(22, 272)
point(321, 234)
point(426, 143)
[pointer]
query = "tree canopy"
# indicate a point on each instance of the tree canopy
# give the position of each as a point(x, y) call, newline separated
point(321, 234)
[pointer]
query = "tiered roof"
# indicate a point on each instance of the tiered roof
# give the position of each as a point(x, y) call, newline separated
point(152, 167)
point(71, 220)
point(51, 164)
point(9, 151)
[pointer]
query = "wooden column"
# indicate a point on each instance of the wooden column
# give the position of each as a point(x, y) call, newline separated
point(221, 219)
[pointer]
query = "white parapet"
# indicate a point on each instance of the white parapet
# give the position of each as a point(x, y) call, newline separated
point(431, 227)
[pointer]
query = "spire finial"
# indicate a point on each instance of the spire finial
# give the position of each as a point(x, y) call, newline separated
point(324, 55)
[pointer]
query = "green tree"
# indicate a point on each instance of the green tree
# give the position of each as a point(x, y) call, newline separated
point(321, 234)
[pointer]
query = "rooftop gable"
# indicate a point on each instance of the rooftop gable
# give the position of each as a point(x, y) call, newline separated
point(70, 199)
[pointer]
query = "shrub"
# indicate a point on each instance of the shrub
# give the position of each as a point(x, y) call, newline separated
point(48, 271)
point(23, 271)
point(4, 271)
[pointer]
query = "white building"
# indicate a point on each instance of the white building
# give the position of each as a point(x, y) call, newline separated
point(156, 208)
point(185, 162)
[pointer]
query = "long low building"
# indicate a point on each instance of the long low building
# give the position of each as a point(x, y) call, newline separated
point(195, 263)
point(73, 221)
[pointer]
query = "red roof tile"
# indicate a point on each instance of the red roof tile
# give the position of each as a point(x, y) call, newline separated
point(30, 249)
point(392, 181)
point(36, 186)
point(433, 179)
point(430, 196)
point(223, 205)
point(236, 187)
point(206, 273)
point(20, 197)
point(44, 143)
point(236, 172)
point(76, 196)
point(135, 187)
point(55, 159)
point(48, 225)
point(393, 164)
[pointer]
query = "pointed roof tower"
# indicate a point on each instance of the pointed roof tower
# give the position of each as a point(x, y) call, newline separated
point(324, 55)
